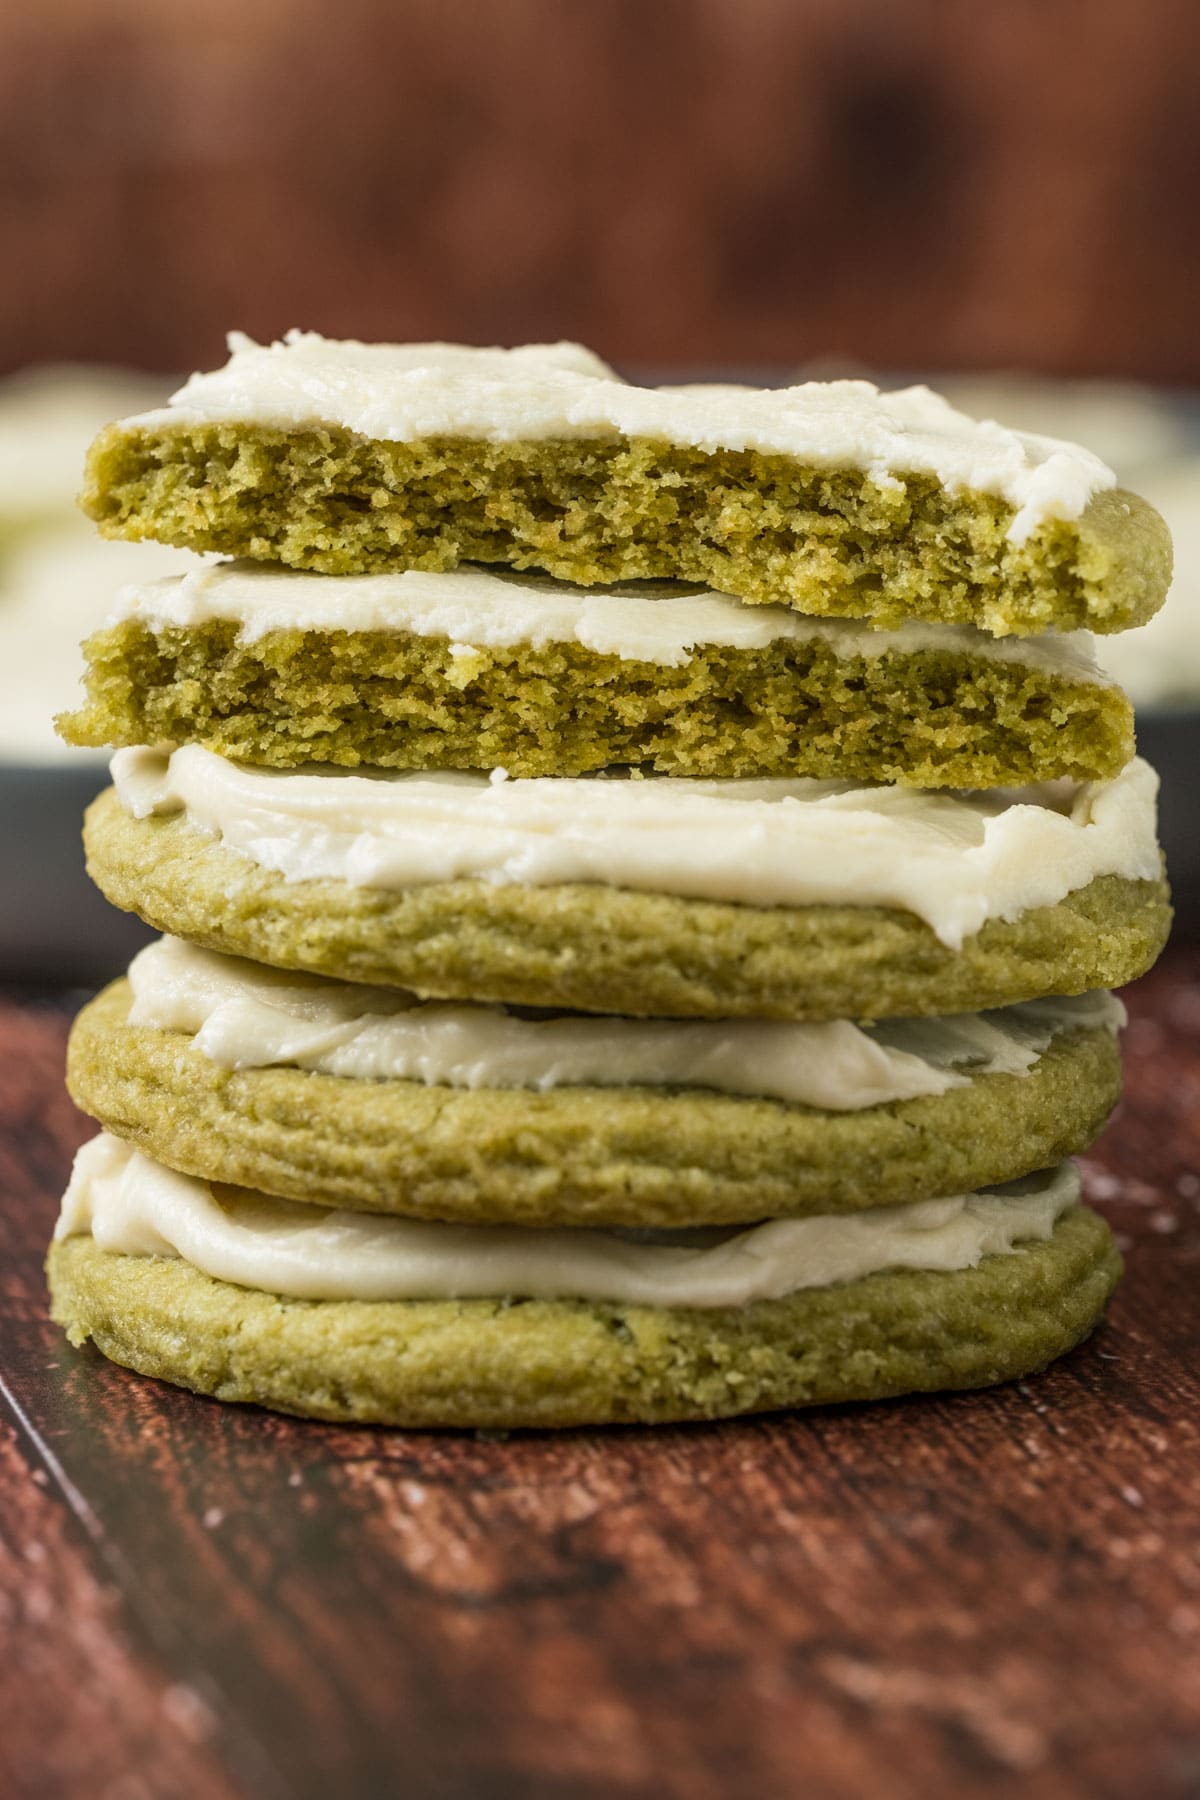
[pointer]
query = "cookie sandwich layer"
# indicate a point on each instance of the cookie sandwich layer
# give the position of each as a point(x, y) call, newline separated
point(829, 497)
point(340, 1315)
point(369, 1099)
point(653, 898)
point(475, 670)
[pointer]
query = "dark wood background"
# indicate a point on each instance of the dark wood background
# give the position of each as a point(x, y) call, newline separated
point(914, 183)
point(980, 1596)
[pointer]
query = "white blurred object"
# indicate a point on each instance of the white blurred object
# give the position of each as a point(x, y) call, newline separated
point(48, 417)
point(1122, 422)
point(1159, 663)
point(57, 574)
point(1150, 442)
point(56, 587)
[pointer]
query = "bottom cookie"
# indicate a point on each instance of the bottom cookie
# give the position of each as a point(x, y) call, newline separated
point(504, 1364)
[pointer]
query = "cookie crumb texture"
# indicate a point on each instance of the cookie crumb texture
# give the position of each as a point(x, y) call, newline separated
point(762, 527)
point(507, 1364)
point(929, 718)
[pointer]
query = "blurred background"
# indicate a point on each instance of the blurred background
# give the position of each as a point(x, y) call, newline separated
point(911, 183)
point(1002, 198)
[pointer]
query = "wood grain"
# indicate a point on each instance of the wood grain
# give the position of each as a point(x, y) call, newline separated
point(684, 183)
point(984, 1595)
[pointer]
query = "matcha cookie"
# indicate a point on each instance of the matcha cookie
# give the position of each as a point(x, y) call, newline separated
point(471, 671)
point(594, 948)
point(640, 1155)
point(829, 497)
point(499, 1364)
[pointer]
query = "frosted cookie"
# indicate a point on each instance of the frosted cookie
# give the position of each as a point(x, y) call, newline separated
point(369, 1099)
point(388, 1321)
point(830, 497)
point(660, 898)
point(475, 670)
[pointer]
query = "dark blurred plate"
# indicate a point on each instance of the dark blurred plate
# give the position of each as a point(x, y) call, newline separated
point(56, 930)
point(1170, 739)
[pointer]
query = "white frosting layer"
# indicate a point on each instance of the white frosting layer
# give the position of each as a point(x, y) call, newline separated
point(955, 860)
point(242, 1015)
point(479, 608)
point(137, 1207)
point(406, 391)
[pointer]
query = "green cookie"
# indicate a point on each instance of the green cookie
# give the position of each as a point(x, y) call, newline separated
point(661, 1157)
point(499, 1364)
point(927, 718)
point(834, 542)
point(592, 948)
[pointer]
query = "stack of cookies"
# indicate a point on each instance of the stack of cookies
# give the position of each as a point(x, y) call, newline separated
point(641, 874)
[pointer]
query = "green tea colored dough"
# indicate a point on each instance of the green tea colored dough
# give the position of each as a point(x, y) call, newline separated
point(662, 1157)
point(933, 718)
point(500, 1364)
point(591, 948)
point(763, 527)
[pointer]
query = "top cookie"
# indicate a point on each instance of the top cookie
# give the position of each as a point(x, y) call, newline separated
point(829, 497)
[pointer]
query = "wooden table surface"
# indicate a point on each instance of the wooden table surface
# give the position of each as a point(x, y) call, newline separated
point(977, 1596)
